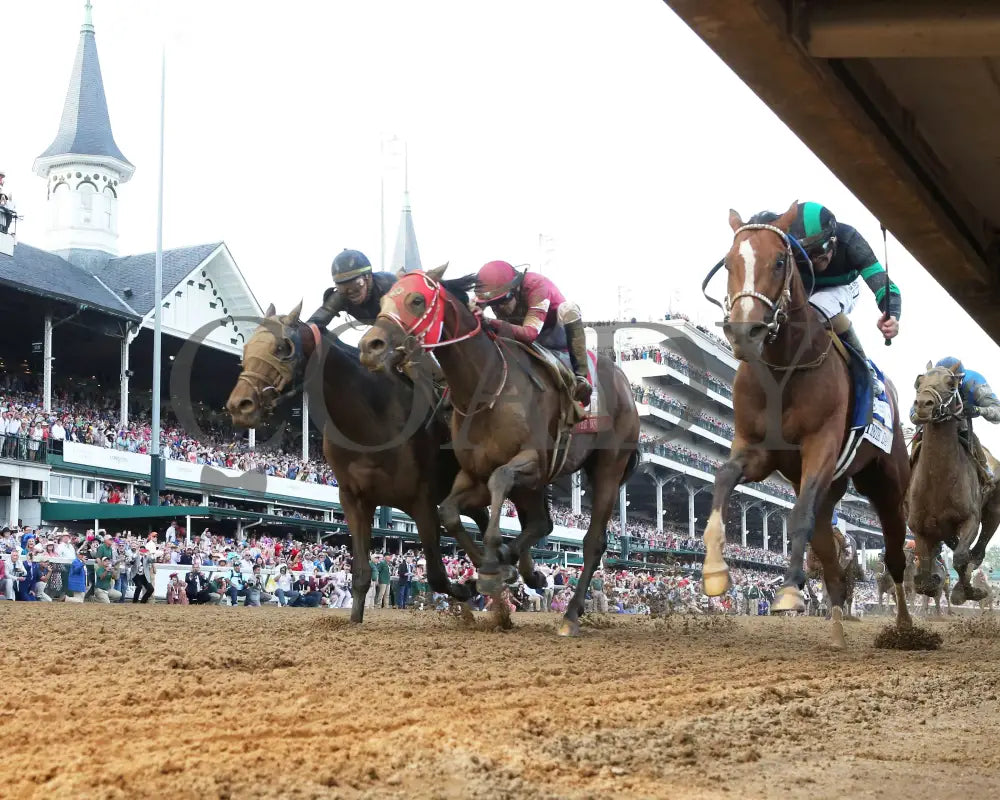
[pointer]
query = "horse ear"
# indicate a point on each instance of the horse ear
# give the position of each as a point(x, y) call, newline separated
point(293, 317)
point(929, 367)
point(400, 273)
point(957, 368)
point(785, 220)
point(270, 311)
point(437, 273)
point(734, 220)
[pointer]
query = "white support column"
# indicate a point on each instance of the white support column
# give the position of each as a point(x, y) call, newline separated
point(187, 530)
point(123, 390)
point(129, 494)
point(15, 501)
point(252, 438)
point(305, 427)
point(577, 496)
point(622, 512)
point(784, 535)
point(659, 504)
point(767, 516)
point(47, 364)
point(691, 493)
point(743, 523)
point(204, 499)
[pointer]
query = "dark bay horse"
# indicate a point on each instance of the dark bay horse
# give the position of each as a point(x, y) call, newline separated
point(380, 438)
point(792, 400)
point(945, 502)
point(507, 426)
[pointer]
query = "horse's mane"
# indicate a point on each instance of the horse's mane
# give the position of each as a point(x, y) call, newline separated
point(459, 287)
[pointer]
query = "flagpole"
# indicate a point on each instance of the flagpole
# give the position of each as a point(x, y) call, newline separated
point(156, 460)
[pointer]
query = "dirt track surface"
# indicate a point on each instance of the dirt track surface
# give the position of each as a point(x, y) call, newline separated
point(157, 701)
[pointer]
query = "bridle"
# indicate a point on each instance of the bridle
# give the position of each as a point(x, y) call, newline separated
point(428, 328)
point(943, 409)
point(778, 307)
point(271, 391)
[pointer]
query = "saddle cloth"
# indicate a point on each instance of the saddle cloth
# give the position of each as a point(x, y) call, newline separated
point(573, 414)
point(872, 412)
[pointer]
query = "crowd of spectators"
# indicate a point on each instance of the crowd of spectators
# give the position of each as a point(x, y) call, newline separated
point(662, 355)
point(661, 400)
point(93, 419)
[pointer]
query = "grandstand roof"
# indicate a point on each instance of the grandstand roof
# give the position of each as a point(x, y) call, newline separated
point(406, 255)
point(136, 272)
point(85, 126)
point(48, 275)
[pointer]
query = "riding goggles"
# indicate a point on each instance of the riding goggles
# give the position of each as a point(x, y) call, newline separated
point(820, 249)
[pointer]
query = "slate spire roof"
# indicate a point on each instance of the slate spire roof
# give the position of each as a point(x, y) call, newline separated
point(85, 127)
point(406, 255)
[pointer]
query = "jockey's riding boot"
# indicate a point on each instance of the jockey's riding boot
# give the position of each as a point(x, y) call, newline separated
point(577, 342)
point(982, 463)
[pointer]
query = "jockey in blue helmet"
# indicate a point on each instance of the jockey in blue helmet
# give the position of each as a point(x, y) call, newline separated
point(979, 401)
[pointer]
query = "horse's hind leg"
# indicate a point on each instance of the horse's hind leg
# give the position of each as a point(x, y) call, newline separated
point(536, 524)
point(604, 483)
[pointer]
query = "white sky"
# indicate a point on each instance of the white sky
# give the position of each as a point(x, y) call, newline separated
point(609, 127)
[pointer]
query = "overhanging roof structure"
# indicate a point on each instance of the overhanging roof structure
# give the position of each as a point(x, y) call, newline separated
point(901, 100)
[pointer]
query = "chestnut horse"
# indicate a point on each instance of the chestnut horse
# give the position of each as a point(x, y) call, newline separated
point(792, 403)
point(946, 503)
point(506, 428)
point(384, 445)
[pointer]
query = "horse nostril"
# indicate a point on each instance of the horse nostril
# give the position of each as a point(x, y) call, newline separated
point(245, 406)
point(376, 345)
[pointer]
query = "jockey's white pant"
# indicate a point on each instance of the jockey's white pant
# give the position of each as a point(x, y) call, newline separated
point(833, 300)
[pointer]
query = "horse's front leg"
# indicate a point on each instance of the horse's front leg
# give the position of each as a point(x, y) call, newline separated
point(522, 470)
point(819, 456)
point(466, 493)
point(964, 590)
point(745, 464)
point(926, 580)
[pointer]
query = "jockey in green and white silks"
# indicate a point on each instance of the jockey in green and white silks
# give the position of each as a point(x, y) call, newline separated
point(841, 260)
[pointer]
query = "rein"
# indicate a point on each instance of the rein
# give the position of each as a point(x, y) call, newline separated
point(432, 321)
point(779, 307)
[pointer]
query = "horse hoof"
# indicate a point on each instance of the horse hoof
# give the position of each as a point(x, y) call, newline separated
point(489, 584)
point(569, 628)
point(716, 583)
point(958, 596)
point(975, 594)
point(509, 575)
point(788, 598)
point(838, 640)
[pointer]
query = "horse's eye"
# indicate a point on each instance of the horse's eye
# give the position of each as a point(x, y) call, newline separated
point(779, 264)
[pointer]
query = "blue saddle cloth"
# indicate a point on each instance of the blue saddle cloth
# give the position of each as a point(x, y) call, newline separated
point(867, 405)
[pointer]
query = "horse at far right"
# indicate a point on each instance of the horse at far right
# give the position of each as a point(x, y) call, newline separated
point(953, 497)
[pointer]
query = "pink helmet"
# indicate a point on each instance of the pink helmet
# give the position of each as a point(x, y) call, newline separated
point(496, 281)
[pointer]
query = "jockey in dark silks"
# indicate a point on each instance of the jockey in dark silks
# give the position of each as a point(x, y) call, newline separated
point(357, 291)
point(530, 308)
point(978, 400)
point(841, 260)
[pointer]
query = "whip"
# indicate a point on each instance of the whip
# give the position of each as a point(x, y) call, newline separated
point(888, 283)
